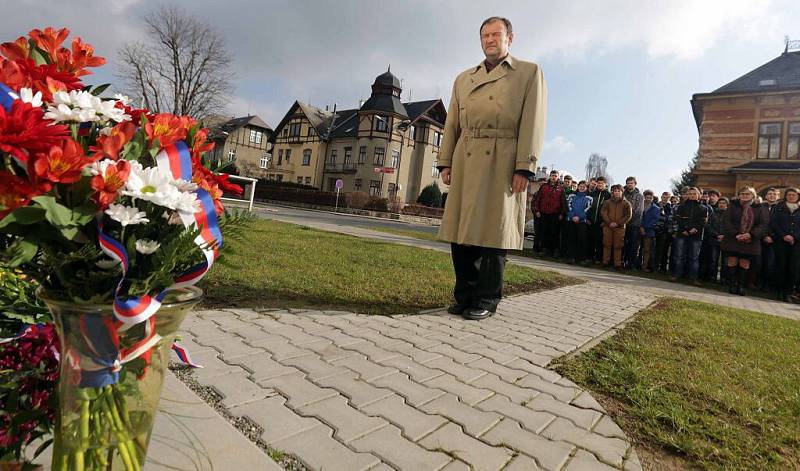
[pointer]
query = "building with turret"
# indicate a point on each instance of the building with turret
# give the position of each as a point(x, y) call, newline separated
point(384, 147)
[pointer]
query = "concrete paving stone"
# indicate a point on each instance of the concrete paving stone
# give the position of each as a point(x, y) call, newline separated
point(328, 351)
point(414, 423)
point(583, 418)
point(347, 422)
point(236, 389)
point(262, 367)
point(497, 356)
point(295, 335)
point(280, 348)
point(235, 347)
point(456, 354)
point(534, 421)
point(268, 323)
point(609, 450)
point(397, 451)
point(367, 369)
point(414, 393)
point(531, 367)
point(206, 332)
point(468, 394)
point(549, 454)
point(562, 393)
point(417, 340)
point(298, 390)
point(507, 374)
point(245, 314)
point(456, 465)
point(339, 338)
point(231, 323)
point(522, 463)
point(586, 401)
point(632, 462)
point(188, 341)
point(585, 461)
point(212, 366)
point(317, 449)
point(276, 419)
point(515, 393)
point(358, 391)
point(463, 373)
point(372, 352)
point(477, 454)
point(475, 422)
point(314, 368)
point(418, 354)
point(414, 370)
point(375, 336)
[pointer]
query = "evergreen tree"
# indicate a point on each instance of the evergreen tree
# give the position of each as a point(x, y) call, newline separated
point(431, 196)
point(688, 178)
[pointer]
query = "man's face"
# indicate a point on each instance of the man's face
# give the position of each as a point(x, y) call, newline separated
point(616, 193)
point(684, 195)
point(713, 198)
point(704, 198)
point(553, 177)
point(568, 182)
point(592, 185)
point(772, 196)
point(723, 205)
point(693, 195)
point(630, 184)
point(665, 197)
point(648, 199)
point(674, 199)
point(582, 187)
point(495, 40)
point(601, 186)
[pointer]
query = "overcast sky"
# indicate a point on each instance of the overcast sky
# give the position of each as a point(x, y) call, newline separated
point(620, 73)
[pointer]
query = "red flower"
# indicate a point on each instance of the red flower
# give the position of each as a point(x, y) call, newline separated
point(15, 192)
point(11, 75)
point(111, 145)
point(46, 78)
point(17, 50)
point(107, 186)
point(75, 62)
point(213, 183)
point(49, 40)
point(201, 145)
point(61, 164)
point(166, 128)
point(24, 131)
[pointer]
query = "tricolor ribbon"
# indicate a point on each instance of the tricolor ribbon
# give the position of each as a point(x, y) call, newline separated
point(23, 331)
point(183, 355)
point(7, 97)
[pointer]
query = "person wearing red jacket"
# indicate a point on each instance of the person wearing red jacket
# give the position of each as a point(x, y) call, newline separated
point(548, 205)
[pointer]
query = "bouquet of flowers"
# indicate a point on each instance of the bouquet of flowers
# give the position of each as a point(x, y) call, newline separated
point(103, 204)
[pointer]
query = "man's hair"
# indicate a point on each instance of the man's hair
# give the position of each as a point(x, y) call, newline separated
point(601, 179)
point(582, 182)
point(685, 189)
point(492, 19)
point(648, 192)
point(725, 199)
point(616, 187)
point(791, 189)
point(771, 189)
point(567, 176)
point(553, 172)
point(593, 179)
point(714, 192)
point(629, 179)
point(666, 193)
point(694, 188)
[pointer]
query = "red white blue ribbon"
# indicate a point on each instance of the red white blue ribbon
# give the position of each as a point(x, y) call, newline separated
point(7, 97)
point(23, 331)
point(177, 159)
point(183, 355)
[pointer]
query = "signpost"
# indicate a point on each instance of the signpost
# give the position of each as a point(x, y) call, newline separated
point(339, 185)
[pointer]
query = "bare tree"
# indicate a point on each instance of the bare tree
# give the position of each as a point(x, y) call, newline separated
point(596, 166)
point(183, 68)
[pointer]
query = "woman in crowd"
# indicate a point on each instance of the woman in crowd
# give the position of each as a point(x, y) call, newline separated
point(785, 225)
point(743, 227)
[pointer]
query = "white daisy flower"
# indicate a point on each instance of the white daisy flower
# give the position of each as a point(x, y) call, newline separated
point(146, 246)
point(107, 263)
point(123, 98)
point(108, 110)
point(27, 96)
point(150, 184)
point(126, 215)
point(183, 185)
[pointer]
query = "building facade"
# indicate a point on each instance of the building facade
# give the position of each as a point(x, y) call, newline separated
point(749, 129)
point(385, 147)
point(245, 140)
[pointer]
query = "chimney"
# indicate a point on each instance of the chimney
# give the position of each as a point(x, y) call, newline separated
point(326, 107)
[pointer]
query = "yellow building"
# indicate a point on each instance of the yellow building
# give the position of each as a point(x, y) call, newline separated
point(245, 140)
point(384, 147)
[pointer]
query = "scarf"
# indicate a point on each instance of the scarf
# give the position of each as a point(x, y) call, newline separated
point(792, 206)
point(747, 218)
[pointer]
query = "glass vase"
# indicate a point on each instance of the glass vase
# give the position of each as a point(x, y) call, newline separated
point(110, 381)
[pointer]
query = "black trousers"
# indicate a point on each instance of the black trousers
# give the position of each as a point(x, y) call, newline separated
point(550, 232)
point(597, 235)
point(479, 275)
point(787, 258)
point(578, 241)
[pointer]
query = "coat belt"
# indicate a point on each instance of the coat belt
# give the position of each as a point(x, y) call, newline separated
point(477, 133)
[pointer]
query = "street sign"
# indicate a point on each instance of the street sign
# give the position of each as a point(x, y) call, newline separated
point(339, 184)
point(377, 169)
point(388, 169)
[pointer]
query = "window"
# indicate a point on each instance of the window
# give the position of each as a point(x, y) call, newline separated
point(271, 176)
point(357, 184)
point(311, 131)
point(285, 132)
point(308, 181)
point(332, 157)
point(307, 157)
point(279, 177)
point(362, 155)
point(280, 157)
point(288, 155)
point(413, 132)
point(299, 180)
point(437, 138)
point(769, 140)
point(392, 189)
point(294, 130)
point(264, 162)
point(374, 187)
point(793, 144)
point(381, 123)
point(380, 153)
point(255, 136)
point(395, 159)
point(231, 154)
point(348, 156)
point(435, 169)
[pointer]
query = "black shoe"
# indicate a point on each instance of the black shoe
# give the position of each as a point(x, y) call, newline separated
point(476, 314)
point(457, 308)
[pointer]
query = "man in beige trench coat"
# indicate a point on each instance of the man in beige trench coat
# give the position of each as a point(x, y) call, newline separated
point(492, 139)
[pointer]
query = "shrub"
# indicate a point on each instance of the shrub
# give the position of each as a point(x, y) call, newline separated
point(357, 199)
point(396, 204)
point(376, 203)
point(431, 196)
point(425, 211)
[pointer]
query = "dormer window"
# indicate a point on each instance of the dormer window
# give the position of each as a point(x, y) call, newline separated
point(767, 82)
point(381, 123)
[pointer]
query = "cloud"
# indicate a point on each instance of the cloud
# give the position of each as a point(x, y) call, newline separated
point(559, 144)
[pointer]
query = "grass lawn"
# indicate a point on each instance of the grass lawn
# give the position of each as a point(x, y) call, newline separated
point(719, 387)
point(408, 233)
point(285, 265)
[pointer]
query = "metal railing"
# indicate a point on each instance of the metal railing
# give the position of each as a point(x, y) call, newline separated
point(248, 190)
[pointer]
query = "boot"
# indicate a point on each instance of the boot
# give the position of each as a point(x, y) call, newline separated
point(732, 287)
point(742, 278)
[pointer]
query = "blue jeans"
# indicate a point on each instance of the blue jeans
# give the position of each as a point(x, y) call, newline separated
point(686, 250)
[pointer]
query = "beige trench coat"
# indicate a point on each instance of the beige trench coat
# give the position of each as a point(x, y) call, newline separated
point(495, 125)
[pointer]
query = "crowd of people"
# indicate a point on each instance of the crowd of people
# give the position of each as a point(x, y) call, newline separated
point(744, 241)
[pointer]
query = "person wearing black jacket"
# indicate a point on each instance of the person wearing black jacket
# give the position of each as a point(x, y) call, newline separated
point(664, 233)
point(767, 259)
point(785, 228)
point(599, 196)
point(691, 218)
point(709, 250)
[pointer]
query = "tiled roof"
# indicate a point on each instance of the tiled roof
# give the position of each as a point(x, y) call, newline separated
point(768, 165)
point(778, 74)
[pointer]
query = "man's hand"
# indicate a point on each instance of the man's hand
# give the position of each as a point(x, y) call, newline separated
point(788, 239)
point(445, 174)
point(768, 239)
point(538, 214)
point(612, 225)
point(720, 237)
point(519, 183)
point(576, 219)
point(693, 231)
point(642, 231)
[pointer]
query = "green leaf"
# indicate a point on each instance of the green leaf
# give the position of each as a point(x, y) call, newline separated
point(21, 251)
point(84, 213)
point(100, 89)
point(25, 216)
point(39, 56)
point(56, 213)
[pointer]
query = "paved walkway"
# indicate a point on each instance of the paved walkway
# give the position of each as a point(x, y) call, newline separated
point(431, 391)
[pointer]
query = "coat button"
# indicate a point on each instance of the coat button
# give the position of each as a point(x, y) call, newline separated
point(469, 153)
point(490, 126)
point(488, 153)
point(491, 97)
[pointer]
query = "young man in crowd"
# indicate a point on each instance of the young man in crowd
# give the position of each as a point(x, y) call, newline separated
point(548, 206)
point(709, 249)
point(599, 196)
point(632, 234)
point(691, 218)
point(592, 185)
point(722, 209)
point(767, 261)
point(578, 205)
point(564, 226)
point(664, 232)
point(650, 216)
point(616, 214)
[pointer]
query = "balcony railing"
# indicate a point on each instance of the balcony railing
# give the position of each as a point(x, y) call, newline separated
point(340, 168)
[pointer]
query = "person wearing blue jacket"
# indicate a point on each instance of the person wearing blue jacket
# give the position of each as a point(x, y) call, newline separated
point(785, 226)
point(578, 204)
point(650, 216)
